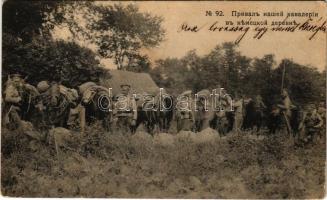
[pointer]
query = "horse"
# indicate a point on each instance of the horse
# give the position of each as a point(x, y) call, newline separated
point(98, 105)
point(220, 122)
point(208, 114)
point(165, 113)
point(253, 116)
point(148, 116)
point(56, 107)
point(276, 120)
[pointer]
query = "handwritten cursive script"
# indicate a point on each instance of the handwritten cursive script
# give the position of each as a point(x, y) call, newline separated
point(259, 29)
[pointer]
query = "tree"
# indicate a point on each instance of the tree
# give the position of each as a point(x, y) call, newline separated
point(170, 73)
point(61, 61)
point(28, 47)
point(139, 64)
point(120, 32)
point(226, 67)
point(26, 19)
point(260, 80)
point(193, 78)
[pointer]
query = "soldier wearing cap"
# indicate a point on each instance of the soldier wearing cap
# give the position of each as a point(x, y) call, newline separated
point(125, 110)
point(18, 97)
point(184, 114)
point(311, 122)
point(12, 99)
point(15, 88)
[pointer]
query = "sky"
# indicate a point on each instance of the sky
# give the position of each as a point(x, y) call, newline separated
point(295, 46)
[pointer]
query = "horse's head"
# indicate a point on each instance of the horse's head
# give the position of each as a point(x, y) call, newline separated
point(88, 95)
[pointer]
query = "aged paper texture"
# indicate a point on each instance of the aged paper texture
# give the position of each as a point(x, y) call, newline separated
point(166, 99)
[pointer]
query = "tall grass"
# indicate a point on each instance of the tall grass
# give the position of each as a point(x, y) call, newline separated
point(101, 164)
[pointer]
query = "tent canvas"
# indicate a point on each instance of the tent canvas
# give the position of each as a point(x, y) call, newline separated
point(140, 82)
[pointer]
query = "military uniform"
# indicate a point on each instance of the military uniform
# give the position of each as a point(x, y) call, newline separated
point(125, 112)
point(204, 112)
point(14, 93)
point(15, 88)
point(286, 107)
point(286, 104)
point(312, 123)
point(185, 116)
point(238, 105)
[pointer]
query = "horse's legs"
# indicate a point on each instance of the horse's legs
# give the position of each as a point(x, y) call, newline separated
point(105, 123)
point(164, 124)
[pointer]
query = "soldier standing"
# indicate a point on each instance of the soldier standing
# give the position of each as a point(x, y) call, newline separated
point(12, 101)
point(125, 110)
point(13, 90)
point(185, 116)
point(286, 104)
point(311, 123)
point(14, 97)
point(286, 107)
point(238, 105)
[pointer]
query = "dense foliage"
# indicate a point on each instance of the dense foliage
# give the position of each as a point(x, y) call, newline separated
point(30, 49)
point(61, 61)
point(226, 67)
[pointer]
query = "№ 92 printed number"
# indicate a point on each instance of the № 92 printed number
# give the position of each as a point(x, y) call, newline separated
point(214, 13)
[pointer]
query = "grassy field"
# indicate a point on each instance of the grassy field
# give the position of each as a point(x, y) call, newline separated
point(184, 165)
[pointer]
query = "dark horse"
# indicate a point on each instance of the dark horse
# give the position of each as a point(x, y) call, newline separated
point(253, 116)
point(98, 105)
point(155, 111)
point(56, 107)
point(147, 114)
point(165, 104)
point(276, 120)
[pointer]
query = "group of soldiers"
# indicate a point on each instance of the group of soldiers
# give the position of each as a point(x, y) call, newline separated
point(15, 102)
point(230, 116)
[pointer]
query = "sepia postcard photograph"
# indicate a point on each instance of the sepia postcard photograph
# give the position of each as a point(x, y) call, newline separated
point(163, 99)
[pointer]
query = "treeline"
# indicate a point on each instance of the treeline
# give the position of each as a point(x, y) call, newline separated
point(119, 32)
point(226, 67)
